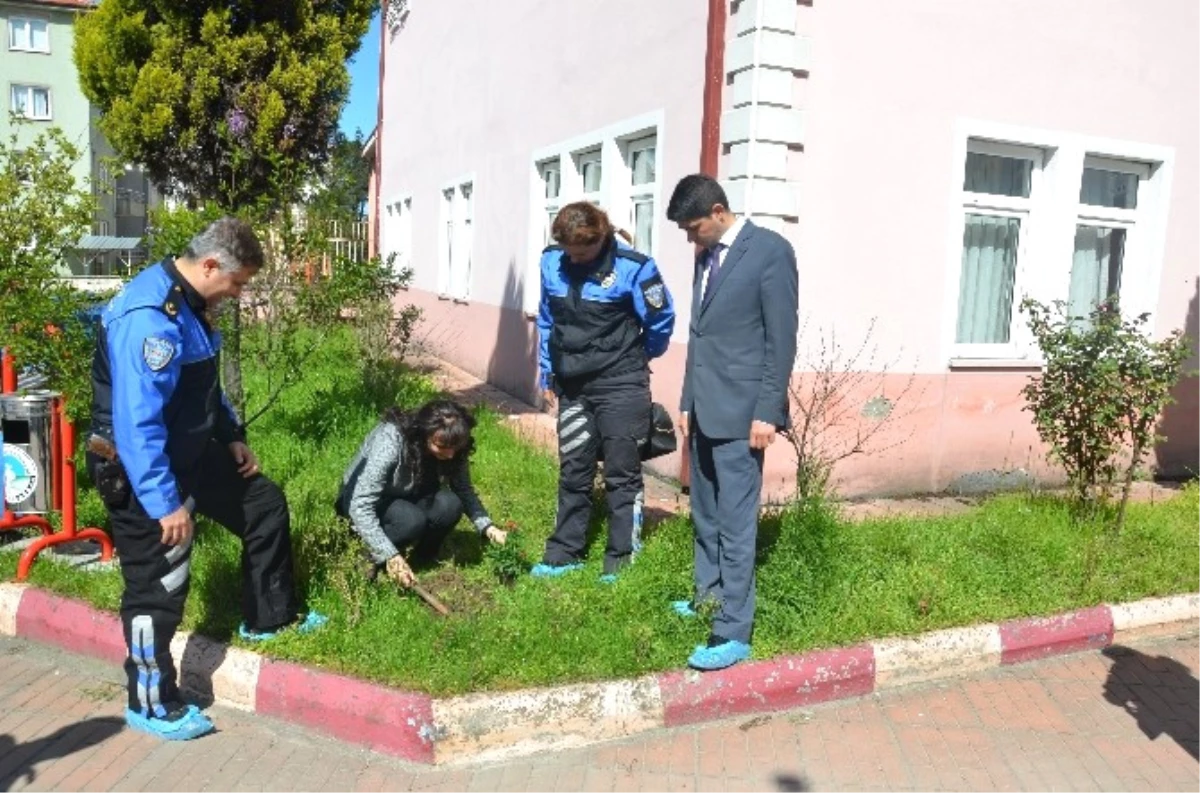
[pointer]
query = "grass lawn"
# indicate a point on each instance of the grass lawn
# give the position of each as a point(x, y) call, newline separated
point(822, 581)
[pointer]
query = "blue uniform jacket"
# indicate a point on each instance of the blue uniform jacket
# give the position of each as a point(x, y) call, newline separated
point(611, 317)
point(156, 380)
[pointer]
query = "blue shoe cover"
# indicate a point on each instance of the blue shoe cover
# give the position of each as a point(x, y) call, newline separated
point(683, 608)
point(192, 725)
point(719, 657)
point(608, 578)
point(543, 570)
point(311, 622)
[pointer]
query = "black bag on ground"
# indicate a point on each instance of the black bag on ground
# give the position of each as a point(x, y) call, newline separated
point(661, 439)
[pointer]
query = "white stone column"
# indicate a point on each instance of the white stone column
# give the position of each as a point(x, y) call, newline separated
point(763, 59)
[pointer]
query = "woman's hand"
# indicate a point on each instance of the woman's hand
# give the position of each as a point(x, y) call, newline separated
point(495, 535)
point(399, 571)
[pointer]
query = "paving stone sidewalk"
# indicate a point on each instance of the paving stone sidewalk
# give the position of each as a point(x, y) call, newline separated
point(1124, 719)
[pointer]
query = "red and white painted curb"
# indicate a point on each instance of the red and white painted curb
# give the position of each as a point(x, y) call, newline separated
point(485, 727)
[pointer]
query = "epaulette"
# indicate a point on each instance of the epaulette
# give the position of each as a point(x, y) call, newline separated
point(170, 306)
point(632, 255)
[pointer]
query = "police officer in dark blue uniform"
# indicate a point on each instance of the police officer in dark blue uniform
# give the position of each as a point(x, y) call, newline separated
point(605, 312)
point(165, 443)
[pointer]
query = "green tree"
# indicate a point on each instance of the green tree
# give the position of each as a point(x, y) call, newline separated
point(1098, 401)
point(43, 214)
point(214, 97)
point(342, 195)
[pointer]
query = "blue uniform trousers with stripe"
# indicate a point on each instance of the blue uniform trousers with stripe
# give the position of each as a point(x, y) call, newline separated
point(157, 577)
point(609, 417)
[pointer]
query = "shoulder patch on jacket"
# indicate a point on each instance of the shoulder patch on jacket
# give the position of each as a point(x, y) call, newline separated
point(654, 292)
point(157, 352)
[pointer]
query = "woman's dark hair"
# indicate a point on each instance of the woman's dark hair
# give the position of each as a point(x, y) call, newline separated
point(442, 419)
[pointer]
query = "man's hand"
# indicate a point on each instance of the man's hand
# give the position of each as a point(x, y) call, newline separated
point(682, 423)
point(497, 536)
point(550, 398)
point(247, 462)
point(399, 571)
point(176, 527)
point(762, 434)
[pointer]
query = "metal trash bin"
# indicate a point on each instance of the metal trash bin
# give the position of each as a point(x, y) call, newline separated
point(26, 425)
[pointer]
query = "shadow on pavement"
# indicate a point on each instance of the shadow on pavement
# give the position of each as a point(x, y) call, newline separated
point(1159, 692)
point(791, 782)
point(17, 760)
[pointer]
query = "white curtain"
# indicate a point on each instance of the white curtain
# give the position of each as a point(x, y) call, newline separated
point(1096, 268)
point(989, 268)
point(643, 219)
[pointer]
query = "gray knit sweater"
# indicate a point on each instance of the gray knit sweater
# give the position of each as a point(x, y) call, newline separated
point(377, 476)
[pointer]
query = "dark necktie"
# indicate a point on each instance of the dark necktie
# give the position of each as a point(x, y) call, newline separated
point(714, 265)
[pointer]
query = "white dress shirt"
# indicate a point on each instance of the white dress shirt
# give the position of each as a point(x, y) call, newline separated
point(724, 245)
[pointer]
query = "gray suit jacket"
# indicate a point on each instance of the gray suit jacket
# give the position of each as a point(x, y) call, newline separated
point(742, 343)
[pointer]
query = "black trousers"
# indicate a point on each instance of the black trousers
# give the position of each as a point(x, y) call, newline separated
point(609, 416)
point(157, 576)
point(423, 523)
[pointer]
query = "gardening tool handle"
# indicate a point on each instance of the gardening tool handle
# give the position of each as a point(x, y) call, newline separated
point(436, 604)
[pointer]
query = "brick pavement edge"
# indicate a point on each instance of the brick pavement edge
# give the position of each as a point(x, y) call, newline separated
point(480, 727)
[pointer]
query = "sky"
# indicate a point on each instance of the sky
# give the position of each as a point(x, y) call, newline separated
point(359, 111)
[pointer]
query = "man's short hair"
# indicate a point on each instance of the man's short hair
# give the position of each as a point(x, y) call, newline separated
point(694, 197)
point(230, 241)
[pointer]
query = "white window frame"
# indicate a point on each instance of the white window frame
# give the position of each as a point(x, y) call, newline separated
point(1046, 249)
point(445, 240)
point(396, 12)
point(1006, 207)
point(1129, 220)
point(614, 196)
point(398, 232)
point(28, 22)
point(29, 88)
point(551, 204)
point(456, 239)
point(648, 193)
point(582, 159)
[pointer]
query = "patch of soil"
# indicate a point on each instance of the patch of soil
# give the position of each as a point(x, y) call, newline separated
point(463, 598)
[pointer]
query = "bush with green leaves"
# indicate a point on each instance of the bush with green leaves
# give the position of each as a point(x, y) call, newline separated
point(1097, 403)
point(294, 304)
point(44, 211)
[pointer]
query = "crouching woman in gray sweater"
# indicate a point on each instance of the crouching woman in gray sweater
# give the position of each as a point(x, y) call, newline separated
point(392, 490)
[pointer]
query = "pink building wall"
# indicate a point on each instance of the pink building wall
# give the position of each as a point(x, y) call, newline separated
point(887, 85)
point(476, 88)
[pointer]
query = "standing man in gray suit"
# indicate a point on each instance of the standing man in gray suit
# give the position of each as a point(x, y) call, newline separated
point(741, 349)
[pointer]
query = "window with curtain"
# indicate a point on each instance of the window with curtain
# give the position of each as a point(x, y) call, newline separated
point(460, 263)
point(644, 182)
point(997, 187)
point(550, 172)
point(31, 102)
point(1108, 200)
point(446, 242)
point(28, 35)
point(591, 174)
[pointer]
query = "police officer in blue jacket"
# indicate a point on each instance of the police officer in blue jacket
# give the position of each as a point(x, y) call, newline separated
point(605, 313)
point(166, 443)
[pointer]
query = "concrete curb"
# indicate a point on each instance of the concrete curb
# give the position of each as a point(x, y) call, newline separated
point(488, 727)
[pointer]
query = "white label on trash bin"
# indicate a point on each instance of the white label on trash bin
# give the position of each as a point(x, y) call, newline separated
point(20, 474)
